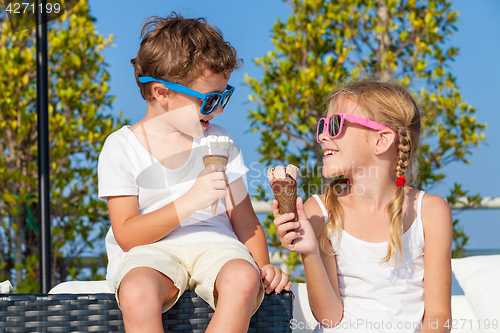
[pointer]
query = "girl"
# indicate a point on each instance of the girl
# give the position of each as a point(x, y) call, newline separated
point(363, 241)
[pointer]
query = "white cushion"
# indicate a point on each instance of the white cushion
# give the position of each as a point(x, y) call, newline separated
point(479, 277)
point(82, 287)
point(303, 320)
point(5, 287)
point(463, 318)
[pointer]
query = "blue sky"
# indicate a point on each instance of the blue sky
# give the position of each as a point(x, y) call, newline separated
point(248, 27)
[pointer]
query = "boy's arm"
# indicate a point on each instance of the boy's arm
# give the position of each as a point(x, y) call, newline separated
point(249, 231)
point(131, 229)
point(245, 223)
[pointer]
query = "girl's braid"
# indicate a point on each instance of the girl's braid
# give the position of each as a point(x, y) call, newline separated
point(404, 150)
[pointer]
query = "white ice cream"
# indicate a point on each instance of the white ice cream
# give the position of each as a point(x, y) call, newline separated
point(216, 145)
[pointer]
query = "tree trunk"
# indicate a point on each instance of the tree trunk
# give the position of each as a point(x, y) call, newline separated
point(384, 73)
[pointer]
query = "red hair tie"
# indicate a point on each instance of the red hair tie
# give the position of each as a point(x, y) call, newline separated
point(400, 181)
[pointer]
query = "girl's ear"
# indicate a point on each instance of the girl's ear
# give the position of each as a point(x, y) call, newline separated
point(385, 139)
point(160, 93)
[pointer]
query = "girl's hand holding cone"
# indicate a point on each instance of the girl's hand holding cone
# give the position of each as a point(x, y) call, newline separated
point(296, 236)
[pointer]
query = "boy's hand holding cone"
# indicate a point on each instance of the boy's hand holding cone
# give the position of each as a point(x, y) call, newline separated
point(217, 151)
point(284, 185)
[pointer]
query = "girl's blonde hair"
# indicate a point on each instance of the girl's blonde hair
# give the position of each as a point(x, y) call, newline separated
point(392, 105)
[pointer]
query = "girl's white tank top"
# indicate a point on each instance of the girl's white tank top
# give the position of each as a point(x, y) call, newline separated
point(378, 297)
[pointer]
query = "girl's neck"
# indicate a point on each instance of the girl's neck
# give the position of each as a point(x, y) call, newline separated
point(370, 194)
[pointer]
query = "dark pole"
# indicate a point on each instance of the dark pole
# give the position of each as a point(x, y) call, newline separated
point(42, 107)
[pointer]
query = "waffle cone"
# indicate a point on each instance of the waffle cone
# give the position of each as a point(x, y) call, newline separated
point(214, 159)
point(286, 194)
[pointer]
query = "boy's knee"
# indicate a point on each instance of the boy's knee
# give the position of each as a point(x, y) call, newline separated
point(138, 292)
point(242, 270)
point(239, 276)
point(130, 294)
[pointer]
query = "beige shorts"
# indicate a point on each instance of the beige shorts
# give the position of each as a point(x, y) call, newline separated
point(190, 267)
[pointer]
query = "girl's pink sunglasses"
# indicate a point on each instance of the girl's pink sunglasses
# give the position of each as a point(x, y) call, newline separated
point(335, 122)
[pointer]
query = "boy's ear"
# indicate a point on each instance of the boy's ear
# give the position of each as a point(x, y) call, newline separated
point(160, 93)
point(385, 139)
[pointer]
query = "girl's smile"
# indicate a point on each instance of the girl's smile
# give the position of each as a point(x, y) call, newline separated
point(329, 152)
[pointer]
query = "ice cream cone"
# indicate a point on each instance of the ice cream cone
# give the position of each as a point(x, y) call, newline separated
point(215, 159)
point(284, 185)
point(216, 150)
point(286, 194)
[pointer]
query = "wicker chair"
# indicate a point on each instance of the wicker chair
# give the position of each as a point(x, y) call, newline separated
point(100, 313)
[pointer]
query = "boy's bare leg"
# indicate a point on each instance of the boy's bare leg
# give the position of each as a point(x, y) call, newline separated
point(237, 287)
point(142, 293)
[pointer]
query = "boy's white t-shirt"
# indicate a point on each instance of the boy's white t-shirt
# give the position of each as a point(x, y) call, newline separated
point(126, 168)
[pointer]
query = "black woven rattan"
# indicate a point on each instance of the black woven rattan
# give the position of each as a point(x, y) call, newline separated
point(100, 313)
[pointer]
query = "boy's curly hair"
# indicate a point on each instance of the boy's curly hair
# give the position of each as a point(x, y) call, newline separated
point(179, 49)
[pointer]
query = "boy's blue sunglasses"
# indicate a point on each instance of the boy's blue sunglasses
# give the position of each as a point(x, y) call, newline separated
point(211, 101)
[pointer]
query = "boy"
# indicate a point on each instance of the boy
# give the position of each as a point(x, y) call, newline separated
point(163, 237)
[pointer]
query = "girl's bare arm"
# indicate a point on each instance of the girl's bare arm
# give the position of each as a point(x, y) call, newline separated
point(438, 233)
